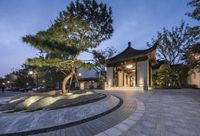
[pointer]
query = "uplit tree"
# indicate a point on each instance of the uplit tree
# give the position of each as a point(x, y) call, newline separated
point(192, 55)
point(172, 46)
point(100, 58)
point(79, 28)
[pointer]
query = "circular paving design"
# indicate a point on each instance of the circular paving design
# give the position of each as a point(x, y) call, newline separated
point(25, 123)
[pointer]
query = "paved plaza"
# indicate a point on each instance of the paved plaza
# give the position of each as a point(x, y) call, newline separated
point(167, 113)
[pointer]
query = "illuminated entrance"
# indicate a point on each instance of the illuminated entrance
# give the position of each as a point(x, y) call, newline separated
point(131, 68)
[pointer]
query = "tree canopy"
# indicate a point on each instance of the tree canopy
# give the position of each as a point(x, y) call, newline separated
point(81, 27)
point(196, 12)
point(171, 44)
point(192, 55)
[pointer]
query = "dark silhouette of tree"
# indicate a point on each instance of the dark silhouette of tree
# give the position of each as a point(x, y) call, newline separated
point(196, 12)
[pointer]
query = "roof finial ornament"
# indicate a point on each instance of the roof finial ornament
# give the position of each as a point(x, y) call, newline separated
point(129, 44)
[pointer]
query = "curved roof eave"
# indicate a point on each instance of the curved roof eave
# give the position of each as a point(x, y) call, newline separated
point(130, 53)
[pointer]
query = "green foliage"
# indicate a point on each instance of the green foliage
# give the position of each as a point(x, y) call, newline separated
point(170, 76)
point(193, 52)
point(101, 56)
point(100, 60)
point(192, 56)
point(82, 26)
point(171, 45)
point(162, 77)
point(20, 77)
point(174, 47)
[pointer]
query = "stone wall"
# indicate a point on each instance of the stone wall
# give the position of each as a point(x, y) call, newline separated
point(109, 76)
point(194, 78)
point(143, 73)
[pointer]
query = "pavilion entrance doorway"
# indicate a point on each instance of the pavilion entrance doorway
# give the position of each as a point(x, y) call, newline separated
point(125, 75)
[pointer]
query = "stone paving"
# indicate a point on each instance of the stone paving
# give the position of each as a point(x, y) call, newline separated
point(98, 125)
point(167, 113)
point(26, 121)
point(8, 94)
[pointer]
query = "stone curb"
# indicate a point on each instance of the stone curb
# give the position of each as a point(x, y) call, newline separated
point(121, 128)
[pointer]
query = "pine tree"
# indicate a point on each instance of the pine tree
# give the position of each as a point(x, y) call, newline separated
point(196, 12)
point(79, 28)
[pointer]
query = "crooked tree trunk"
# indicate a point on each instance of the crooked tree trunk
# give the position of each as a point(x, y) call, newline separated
point(64, 90)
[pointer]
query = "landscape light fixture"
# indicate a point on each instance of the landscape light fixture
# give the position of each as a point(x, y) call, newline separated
point(129, 66)
point(30, 72)
point(79, 74)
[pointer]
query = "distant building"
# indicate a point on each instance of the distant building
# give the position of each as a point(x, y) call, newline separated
point(132, 69)
point(88, 78)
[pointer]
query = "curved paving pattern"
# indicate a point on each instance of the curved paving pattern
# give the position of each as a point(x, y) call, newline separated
point(98, 125)
point(167, 113)
point(30, 121)
point(121, 128)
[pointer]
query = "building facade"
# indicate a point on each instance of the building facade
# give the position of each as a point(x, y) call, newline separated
point(194, 78)
point(131, 68)
point(88, 78)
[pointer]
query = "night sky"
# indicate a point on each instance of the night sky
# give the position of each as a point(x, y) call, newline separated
point(137, 21)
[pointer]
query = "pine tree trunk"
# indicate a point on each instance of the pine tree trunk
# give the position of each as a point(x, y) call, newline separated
point(64, 90)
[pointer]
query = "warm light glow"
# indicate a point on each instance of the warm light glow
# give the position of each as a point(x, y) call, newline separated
point(129, 66)
point(27, 102)
point(30, 72)
point(68, 93)
point(89, 93)
point(8, 82)
point(79, 74)
point(3, 83)
point(74, 96)
point(17, 99)
point(109, 83)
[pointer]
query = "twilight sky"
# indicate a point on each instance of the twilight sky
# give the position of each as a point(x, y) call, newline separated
point(137, 21)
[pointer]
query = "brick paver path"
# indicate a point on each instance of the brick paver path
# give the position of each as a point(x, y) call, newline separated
point(169, 113)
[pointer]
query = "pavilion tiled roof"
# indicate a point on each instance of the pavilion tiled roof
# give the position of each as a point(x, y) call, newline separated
point(130, 53)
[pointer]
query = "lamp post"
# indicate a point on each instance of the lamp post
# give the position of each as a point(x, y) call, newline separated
point(32, 73)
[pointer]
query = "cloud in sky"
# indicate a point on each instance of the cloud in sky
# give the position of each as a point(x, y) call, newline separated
point(134, 20)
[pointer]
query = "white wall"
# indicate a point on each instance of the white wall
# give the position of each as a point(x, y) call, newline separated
point(143, 73)
point(109, 76)
point(194, 78)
